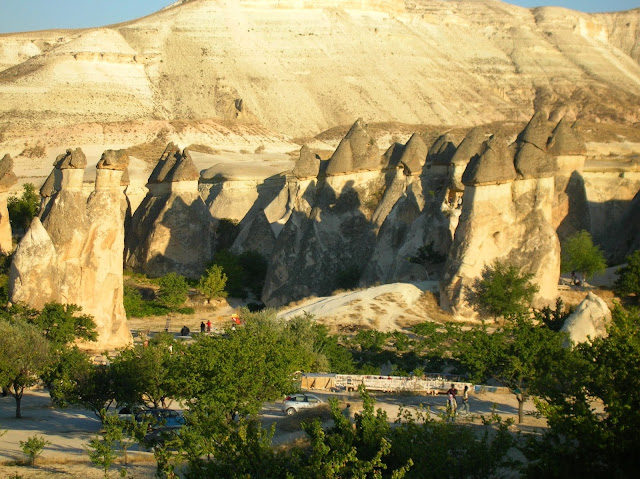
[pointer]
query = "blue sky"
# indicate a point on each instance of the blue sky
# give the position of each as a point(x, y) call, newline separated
point(27, 15)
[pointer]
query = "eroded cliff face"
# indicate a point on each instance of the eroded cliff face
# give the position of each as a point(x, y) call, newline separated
point(72, 253)
point(171, 229)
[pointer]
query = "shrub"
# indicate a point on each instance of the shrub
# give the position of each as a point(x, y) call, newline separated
point(33, 447)
point(22, 210)
point(235, 273)
point(628, 281)
point(173, 289)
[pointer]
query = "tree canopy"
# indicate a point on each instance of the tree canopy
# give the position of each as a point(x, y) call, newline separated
point(503, 291)
point(581, 255)
point(628, 281)
point(24, 356)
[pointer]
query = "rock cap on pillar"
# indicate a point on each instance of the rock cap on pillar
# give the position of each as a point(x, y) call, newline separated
point(7, 177)
point(493, 166)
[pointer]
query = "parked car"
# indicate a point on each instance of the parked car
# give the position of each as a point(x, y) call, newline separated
point(296, 402)
point(161, 418)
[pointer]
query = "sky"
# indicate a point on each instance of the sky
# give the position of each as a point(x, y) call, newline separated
point(29, 15)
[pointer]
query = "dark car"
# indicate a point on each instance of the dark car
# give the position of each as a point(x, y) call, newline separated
point(161, 418)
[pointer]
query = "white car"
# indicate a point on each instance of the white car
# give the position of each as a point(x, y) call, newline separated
point(296, 402)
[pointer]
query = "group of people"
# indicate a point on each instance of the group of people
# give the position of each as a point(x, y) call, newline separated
point(206, 327)
point(452, 402)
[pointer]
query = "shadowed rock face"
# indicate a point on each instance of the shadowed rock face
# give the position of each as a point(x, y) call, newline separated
point(72, 254)
point(331, 231)
point(171, 229)
point(7, 180)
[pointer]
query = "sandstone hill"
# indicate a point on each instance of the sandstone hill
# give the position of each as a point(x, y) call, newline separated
point(298, 67)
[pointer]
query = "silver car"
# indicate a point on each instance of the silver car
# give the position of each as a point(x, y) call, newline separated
point(296, 402)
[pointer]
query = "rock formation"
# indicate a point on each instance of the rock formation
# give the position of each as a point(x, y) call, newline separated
point(588, 321)
point(416, 219)
point(330, 233)
point(171, 229)
point(7, 180)
point(72, 253)
point(356, 152)
point(506, 215)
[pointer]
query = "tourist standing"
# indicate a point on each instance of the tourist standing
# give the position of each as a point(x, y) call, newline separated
point(465, 400)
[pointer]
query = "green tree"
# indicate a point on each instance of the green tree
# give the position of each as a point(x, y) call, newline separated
point(33, 447)
point(61, 324)
point(584, 440)
point(581, 255)
point(242, 369)
point(146, 374)
point(66, 374)
point(93, 389)
point(102, 453)
point(502, 291)
point(230, 264)
point(173, 289)
point(628, 281)
point(212, 283)
point(133, 302)
point(441, 449)
point(22, 210)
point(123, 433)
point(24, 356)
point(516, 355)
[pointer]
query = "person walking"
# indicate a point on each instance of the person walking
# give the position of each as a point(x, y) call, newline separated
point(202, 327)
point(208, 325)
point(452, 404)
point(465, 400)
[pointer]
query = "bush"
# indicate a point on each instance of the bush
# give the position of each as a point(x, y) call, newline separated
point(33, 447)
point(580, 254)
point(235, 273)
point(22, 210)
point(173, 289)
point(628, 281)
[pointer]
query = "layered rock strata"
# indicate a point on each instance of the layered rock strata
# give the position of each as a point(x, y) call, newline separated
point(171, 230)
point(72, 253)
